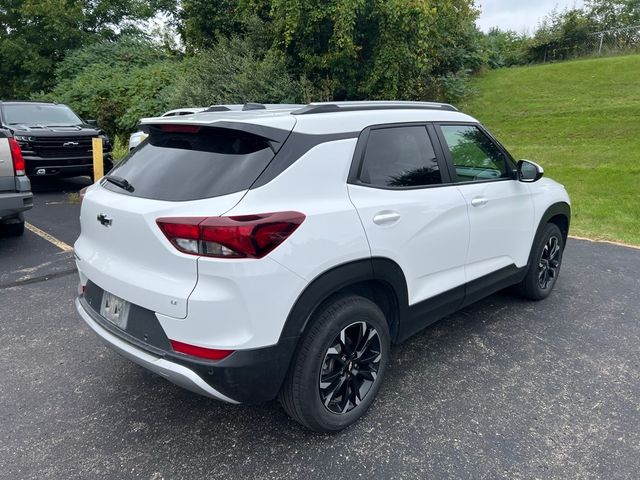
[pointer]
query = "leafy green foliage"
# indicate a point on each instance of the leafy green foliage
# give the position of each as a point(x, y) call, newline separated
point(203, 22)
point(35, 35)
point(376, 49)
point(115, 83)
point(504, 48)
point(233, 72)
point(614, 13)
point(33, 38)
point(562, 35)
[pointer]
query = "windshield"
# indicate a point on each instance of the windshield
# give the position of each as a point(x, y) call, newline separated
point(38, 114)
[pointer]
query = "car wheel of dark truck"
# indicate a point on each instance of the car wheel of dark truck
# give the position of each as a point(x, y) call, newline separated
point(13, 227)
point(339, 366)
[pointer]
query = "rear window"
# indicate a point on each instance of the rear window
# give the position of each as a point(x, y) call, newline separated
point(192, 163)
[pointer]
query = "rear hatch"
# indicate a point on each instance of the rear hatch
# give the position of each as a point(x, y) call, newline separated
point(179, 171)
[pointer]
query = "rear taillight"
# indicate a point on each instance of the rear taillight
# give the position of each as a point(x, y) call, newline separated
point(247, 236)
point(202, 352)
point(16, 155)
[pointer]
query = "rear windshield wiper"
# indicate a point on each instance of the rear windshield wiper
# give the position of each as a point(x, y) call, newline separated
point(120, 182)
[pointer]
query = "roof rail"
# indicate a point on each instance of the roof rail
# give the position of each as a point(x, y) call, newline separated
point(253, 106)
point(361, 106)
point(216, 108)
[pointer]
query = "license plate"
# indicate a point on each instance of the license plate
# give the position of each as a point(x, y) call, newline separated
point(114, 309)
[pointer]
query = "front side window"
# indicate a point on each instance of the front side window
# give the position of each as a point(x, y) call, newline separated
point(400, 157)
point(475, 156)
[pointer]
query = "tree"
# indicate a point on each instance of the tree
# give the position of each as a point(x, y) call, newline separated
point(562, 35)
point(233, 71)
point(504, 48)
point(116, 82)
point(353, 49)
point(35, 35)
point(612, 14)
point(203, 22)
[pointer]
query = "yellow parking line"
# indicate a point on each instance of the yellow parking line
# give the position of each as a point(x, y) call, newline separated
point(49, 238)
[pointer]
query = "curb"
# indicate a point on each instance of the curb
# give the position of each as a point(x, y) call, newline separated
point(617, 244)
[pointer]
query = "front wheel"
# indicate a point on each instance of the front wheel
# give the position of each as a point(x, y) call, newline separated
point(545, 264)
point(339, 366)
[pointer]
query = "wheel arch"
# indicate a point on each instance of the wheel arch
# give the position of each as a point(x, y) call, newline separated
point(379, 279)
point(558, 213)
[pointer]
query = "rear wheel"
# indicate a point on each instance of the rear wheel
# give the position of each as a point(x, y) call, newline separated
point(13, 229)
point(545, 264)
point(339, 366)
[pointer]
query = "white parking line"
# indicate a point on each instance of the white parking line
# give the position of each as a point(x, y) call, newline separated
point(49, 238)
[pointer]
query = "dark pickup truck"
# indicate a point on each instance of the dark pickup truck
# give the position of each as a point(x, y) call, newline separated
point(54, 140)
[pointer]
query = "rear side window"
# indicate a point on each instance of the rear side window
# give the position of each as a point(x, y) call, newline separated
point(400, 157)
point(186, 162)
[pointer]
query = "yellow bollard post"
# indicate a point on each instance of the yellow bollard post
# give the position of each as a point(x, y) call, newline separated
point(98, 160)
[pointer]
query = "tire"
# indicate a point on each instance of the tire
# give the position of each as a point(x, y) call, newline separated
point(325, 353)
point(544, 268)
point(12, 229)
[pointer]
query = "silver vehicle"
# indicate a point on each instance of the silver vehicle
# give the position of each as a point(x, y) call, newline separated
point(15, 187)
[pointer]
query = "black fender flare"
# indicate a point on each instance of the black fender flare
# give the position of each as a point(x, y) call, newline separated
point(554, 210)
point(340, 277)
point(315, 293)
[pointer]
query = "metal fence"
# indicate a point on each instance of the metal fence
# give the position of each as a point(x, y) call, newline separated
point(606, 42)
point(614, 40)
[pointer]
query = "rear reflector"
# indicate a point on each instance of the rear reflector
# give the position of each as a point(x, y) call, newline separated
point(247, 236)
point(194, 351)
point(16, 155)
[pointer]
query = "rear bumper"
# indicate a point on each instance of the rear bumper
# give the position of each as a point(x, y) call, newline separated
point(246, 376)
point(14, 203)
point(175, 373)
point(50, 166)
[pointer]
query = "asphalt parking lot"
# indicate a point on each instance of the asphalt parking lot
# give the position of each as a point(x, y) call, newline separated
point(503, 389)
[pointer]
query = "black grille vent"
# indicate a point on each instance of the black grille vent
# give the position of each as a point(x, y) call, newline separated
point(62, 146)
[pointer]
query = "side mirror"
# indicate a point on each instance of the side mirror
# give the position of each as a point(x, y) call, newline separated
point(93, 123)
point(529, 172)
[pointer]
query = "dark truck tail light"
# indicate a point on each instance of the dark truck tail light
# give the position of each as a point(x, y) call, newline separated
point(246, 236)
point(16, 155)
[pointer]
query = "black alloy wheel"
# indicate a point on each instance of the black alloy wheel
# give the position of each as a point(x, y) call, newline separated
point(350, 367)
point(549, 263)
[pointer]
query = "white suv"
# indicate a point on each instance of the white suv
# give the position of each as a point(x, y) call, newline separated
point(249, 255)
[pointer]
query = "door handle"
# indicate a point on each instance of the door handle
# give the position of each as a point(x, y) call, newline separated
point(479, 202)
point(385, 218)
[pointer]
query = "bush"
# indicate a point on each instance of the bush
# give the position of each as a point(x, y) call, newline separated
point(115, 83)
point(504, 48)
point(233, 72)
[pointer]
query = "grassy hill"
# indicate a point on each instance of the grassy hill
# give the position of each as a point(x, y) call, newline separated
point(581, 121)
